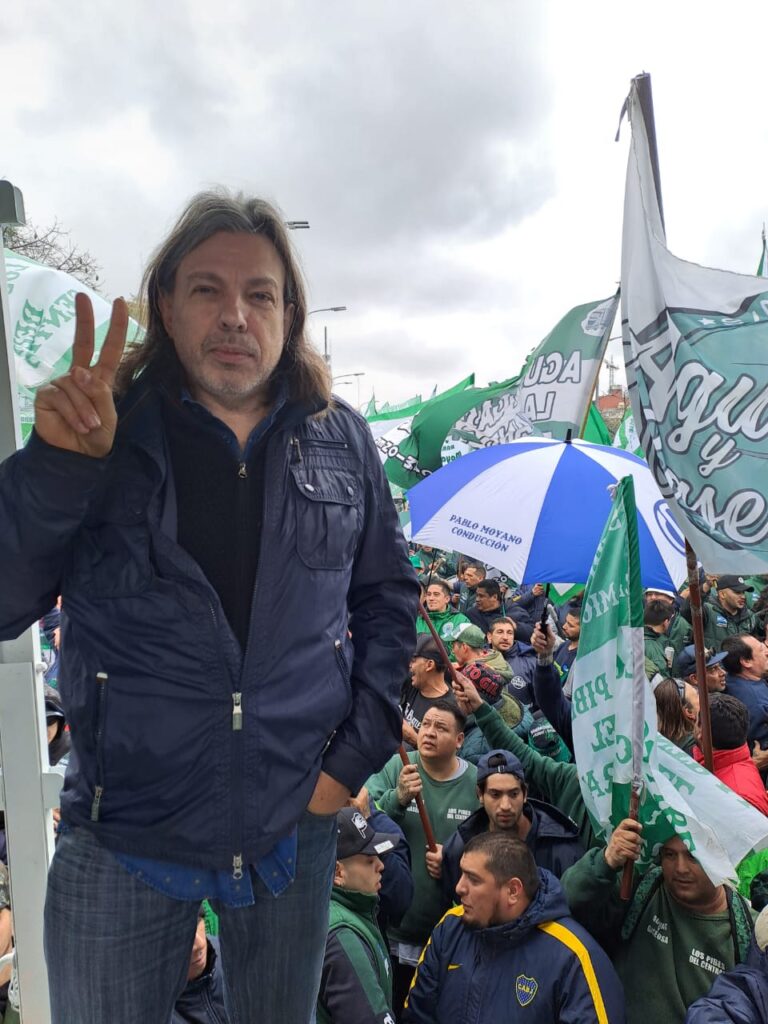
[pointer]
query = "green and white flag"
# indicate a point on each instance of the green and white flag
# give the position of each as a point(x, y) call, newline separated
point(394, 435)
point(762, 267)
point(626, 436)
point(42, 319)
point(695, 344)
point(552, 393)
point(614, 722)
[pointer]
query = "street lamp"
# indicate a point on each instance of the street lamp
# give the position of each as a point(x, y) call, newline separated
point(297, 225)
point(327, 309)
point(358, 374)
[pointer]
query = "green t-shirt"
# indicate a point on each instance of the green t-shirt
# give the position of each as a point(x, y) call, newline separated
point(671, 959)
point(448, 804)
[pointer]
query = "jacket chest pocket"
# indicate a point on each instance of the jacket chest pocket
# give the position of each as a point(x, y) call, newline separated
point(110, 555)
point(327, 502)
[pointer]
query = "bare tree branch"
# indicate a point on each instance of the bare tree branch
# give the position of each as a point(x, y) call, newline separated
point(52, 247)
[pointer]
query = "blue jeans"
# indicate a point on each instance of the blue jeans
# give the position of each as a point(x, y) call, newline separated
point(118, 951)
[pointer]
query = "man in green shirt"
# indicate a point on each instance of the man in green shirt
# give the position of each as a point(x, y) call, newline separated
point(448, 787)
point(675, 935)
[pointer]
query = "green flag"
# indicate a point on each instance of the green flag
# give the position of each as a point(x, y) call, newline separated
point(614, 722)
point(551, 394)
point(595, 429)
point(370, 410)
point(626, 436)
point(762, 267)
point(395, 436)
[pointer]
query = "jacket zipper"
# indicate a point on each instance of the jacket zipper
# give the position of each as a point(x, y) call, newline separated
point(317, 442)
point(237, 711)
point(341, 659)
point(101, 706)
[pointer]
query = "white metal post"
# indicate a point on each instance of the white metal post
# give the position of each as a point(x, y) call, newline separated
point(29, 787)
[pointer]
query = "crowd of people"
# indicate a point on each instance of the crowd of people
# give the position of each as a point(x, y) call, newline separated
point(230, 610)
point(511, 900)
point(515, 900)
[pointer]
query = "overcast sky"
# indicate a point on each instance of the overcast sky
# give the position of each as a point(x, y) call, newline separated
point(456, 160)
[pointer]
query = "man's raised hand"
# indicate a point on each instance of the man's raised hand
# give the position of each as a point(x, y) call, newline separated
point(76, 411)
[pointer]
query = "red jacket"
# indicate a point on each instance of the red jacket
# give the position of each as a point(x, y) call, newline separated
point(736, 769)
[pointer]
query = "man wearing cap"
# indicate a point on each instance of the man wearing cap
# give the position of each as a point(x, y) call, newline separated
point(550, 835)
point(715, 673)
point(511, 951)
point(727, 613)
point(746, 664)
point(428, 685)
point(356, 981)
point(448, 787)
point(469, 644)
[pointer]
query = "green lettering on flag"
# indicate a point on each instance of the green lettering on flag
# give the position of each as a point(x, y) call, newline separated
point(614, 722)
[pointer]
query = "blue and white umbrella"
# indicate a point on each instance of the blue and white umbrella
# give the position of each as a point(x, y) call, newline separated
point(535, 508)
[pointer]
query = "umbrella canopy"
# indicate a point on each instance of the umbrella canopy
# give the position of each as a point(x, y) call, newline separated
point(536, 508)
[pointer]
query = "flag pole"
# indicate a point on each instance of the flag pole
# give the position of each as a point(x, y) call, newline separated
point(697, 621)
point(596, 382)
point(420, 806)
point(642, 84)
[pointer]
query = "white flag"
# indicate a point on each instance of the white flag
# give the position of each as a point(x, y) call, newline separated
point(695, 347)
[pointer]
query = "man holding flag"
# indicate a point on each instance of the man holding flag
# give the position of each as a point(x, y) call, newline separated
point(681, 926)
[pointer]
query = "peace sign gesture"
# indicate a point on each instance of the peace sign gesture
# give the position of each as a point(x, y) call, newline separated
point(77, 411)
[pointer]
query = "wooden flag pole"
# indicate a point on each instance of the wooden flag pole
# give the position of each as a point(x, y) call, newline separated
point(625, 892)
point(645, 97)
point(697, 621)
point(425, 822)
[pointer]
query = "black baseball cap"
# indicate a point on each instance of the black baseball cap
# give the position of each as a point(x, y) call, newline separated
point(734, 583)
point(354, 835)
point(427, 648)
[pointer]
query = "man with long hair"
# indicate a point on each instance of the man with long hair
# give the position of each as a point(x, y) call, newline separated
point(218, 526)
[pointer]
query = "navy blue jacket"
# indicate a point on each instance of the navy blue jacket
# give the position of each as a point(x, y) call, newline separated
point(754, 695)
point(522, 660)
point(553, 839)
point(192, 750)
point(548, 692)
point(396, 893)
point(202, 1001)
point(541, 968)
point(739, 996)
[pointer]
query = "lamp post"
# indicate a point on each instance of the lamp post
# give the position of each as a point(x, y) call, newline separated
point(327, 309)
point(358, 374)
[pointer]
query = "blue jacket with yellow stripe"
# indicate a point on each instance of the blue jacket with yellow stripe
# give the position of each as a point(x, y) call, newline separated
point(541, 968)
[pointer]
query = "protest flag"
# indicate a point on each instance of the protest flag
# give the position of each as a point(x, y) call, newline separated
point(626, 436)
point(551, 395)
point(615, 737)
point(394, 433)
point(694, 348)
point(595, 429)
point(41, 308)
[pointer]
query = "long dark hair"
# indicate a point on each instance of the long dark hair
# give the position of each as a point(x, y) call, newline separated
point(301, 367)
